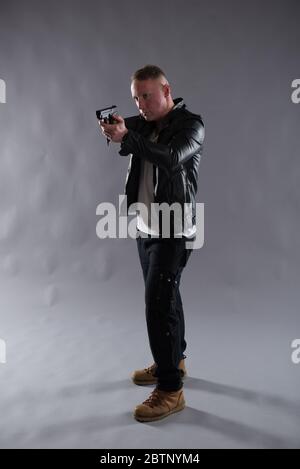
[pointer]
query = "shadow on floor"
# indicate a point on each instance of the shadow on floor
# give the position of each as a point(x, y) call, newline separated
point(254, 397)
point(251, 436)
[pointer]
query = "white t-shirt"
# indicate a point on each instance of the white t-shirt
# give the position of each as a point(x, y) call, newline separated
point(148, 219)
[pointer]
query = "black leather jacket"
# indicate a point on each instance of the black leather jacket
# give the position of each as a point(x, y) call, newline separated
point(176, 155)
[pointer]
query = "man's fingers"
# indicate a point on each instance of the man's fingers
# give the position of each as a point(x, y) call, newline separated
point(102, 123)
point(107, 134)
point(103, 128)
point(117, 118)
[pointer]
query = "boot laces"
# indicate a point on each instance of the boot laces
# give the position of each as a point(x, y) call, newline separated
point(150, 369)
point(154, 398)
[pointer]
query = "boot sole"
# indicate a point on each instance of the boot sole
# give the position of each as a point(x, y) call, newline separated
point(160, 417)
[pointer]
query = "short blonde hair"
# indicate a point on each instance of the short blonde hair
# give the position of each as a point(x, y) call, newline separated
point(149, 71)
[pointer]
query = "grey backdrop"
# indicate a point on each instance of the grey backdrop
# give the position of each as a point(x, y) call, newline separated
point(74, 302)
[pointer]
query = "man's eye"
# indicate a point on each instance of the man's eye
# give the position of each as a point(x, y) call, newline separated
point(145, 96)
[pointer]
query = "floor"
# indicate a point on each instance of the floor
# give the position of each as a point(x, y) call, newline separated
point(71, 345)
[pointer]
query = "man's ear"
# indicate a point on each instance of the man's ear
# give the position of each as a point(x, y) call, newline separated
point(167, 90)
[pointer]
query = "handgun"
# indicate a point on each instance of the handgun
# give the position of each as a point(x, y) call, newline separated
point(107, 114)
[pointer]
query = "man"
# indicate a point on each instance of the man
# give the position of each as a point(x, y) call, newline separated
point(165, 146)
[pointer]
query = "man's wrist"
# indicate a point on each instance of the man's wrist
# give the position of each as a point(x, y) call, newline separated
point(124, 136)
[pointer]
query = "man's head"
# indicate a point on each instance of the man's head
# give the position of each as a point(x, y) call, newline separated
point(151, 92)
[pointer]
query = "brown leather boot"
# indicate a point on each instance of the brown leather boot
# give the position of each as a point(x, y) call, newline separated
point(146, 376)
point(159, 405)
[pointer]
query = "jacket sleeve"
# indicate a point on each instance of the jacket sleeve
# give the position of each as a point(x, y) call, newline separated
point(184, 144)
point(132, 122)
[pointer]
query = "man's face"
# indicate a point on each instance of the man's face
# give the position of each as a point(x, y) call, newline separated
point(150, 97)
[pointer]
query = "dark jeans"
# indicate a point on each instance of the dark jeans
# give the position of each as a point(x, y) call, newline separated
point(162, 261)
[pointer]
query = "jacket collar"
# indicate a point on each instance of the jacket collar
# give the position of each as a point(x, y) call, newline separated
point(178, 105)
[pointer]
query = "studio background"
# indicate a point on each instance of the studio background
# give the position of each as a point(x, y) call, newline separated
point(71, 305)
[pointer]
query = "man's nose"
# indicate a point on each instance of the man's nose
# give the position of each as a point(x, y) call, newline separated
point(141, 105)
